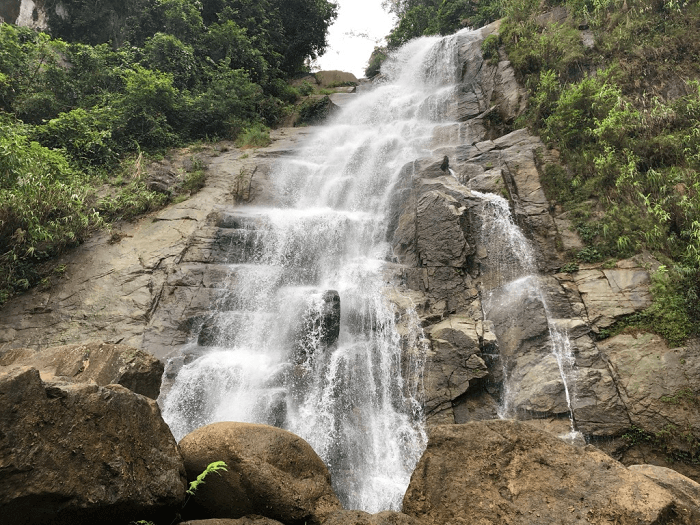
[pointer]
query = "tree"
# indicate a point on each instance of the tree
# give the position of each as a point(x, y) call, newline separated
point(305, 28)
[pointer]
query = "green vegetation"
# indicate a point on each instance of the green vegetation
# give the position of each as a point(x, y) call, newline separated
point(216, 466)
point(615, 87)
point(443, 17)
point(115, 83)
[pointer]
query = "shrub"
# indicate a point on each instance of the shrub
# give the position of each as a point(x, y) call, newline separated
point(85, 135)
point(43, 207)
point(255, 136)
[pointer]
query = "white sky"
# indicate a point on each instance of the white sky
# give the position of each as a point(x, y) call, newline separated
point(361, 25)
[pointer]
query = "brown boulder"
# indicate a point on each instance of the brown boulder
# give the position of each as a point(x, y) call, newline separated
point(247, 520)
point(82, 454)
point(271, 472)
point(358, 517)
point(685, 490)
point(103, 363)
point(507, 472)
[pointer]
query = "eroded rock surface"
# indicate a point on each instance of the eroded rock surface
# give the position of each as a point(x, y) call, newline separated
point(510, 472)
point(271, 472)
point(102, 363)
point(76, 453)
point(141, 284)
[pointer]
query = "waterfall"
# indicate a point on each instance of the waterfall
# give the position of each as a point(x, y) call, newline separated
point(513, 261)
point(305, 338)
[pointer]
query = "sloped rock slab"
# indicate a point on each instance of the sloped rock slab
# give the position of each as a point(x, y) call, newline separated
point(684, 489)
point(659, 385)
point(271, 472)
point(103, 363)
point(83, 454)
point(611, 294)
point(496, 472)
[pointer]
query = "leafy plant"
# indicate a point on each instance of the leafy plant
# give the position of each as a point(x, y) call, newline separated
point(256, 136)
point(216, 466)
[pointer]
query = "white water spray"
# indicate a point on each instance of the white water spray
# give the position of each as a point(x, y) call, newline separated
point(515, 271)
point(274, 352)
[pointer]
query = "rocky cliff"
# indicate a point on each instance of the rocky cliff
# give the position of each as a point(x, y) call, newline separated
point(151, 283)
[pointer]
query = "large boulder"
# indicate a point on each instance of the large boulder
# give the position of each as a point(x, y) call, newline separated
point(81, 454)
point(684, 489)
point(103, 363)
point(271, 472)
point(494, 472)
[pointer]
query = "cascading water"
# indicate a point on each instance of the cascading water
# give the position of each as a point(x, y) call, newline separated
point(516, 274)
point(305, 339)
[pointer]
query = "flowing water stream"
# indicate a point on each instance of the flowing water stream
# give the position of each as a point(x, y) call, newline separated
point(305, 339)
point(514, 261)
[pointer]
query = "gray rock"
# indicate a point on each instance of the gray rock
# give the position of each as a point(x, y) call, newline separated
point(611, 294)
point(657, 384)
point(76, 453)
point(452, 362)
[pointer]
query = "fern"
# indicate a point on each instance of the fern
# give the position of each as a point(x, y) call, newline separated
point(216, 466)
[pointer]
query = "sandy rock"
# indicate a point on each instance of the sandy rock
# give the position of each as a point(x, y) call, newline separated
point(509, 472)
point(246, 520)
point(103, 363)
point(684, 489)
point(358, 517)
point(271, 472)
point(75, 453)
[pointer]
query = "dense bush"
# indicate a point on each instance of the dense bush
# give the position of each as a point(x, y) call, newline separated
point(631, 146)
point(122, 78)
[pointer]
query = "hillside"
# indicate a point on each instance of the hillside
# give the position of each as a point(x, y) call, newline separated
point(106, 88)
point(613, 86)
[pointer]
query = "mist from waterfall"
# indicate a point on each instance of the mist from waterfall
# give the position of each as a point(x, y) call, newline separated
point(268, 357)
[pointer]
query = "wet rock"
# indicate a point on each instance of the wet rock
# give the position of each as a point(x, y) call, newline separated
point(103, 363)
point(271, 472)
point(75, 453)
point(510, 472)
point(320, 324)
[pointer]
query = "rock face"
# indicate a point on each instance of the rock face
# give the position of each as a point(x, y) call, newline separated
point(271, 472)
point(73, 453)
point(509, 472)
point(146, 282)
point(102, 363)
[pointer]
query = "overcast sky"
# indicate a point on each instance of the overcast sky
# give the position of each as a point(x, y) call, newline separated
point(360, 26)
